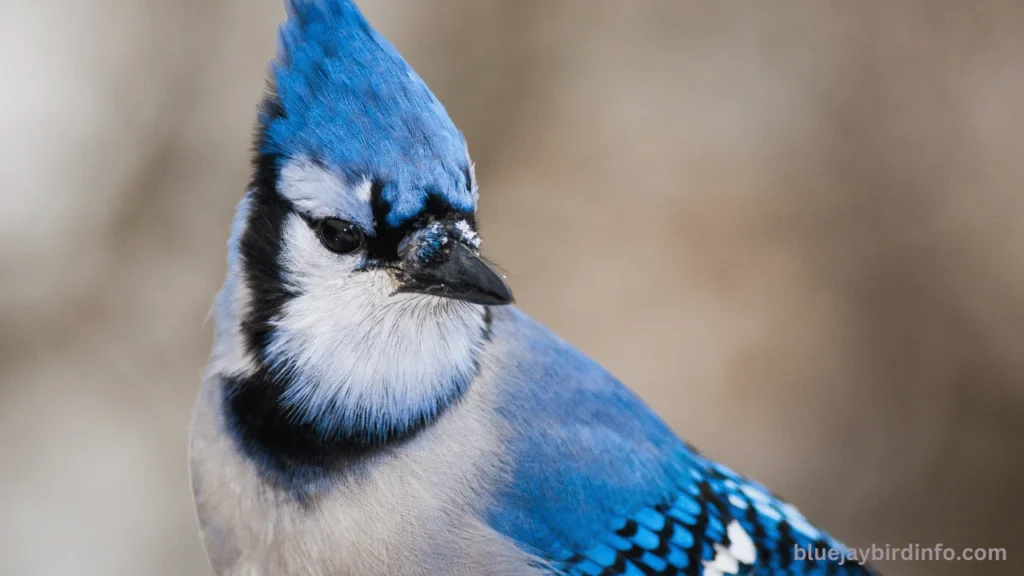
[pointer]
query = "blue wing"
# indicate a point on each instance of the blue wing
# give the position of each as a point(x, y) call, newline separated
point(600, 485)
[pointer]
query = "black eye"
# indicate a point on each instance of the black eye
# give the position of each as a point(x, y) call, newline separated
point(339, 236)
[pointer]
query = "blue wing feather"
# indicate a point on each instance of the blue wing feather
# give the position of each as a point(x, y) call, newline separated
point(600, 485)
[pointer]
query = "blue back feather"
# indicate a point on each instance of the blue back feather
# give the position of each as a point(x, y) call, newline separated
point(346, 97)
point(600, 485)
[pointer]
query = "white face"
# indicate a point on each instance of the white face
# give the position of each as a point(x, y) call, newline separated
point(347, 339)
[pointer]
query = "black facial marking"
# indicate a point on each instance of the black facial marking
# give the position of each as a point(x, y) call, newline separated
point(384, 246)
point(260, 250)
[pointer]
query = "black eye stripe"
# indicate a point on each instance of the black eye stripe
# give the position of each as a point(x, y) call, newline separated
point(381, 244)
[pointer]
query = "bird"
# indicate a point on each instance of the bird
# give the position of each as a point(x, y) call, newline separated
point(376, 404)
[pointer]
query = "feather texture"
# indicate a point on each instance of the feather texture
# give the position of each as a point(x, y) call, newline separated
point(600, 485)
point(345, 96)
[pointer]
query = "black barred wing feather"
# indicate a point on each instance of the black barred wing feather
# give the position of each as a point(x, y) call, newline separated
point(692, 533)
point(787, 544)
point(716, 524)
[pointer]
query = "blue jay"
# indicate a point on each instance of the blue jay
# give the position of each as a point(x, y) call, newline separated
point(375, 405)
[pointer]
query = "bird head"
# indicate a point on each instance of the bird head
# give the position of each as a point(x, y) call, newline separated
point(354, 263)
point(370, 159)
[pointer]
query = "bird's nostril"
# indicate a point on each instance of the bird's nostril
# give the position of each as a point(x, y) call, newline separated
point(424, 245)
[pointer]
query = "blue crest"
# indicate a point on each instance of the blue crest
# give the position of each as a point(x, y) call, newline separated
point(347, 98)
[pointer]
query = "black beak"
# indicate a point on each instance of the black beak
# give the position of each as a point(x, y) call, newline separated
point(460, 275)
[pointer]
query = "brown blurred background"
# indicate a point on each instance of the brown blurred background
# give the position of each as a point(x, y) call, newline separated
point(793, 227)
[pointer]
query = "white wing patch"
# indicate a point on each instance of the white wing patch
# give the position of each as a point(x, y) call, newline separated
point(727, 560)
point(741, 546)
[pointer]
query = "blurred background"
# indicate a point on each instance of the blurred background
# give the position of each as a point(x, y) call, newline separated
point(794, 228)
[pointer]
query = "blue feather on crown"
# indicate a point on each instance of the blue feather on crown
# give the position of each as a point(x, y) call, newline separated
point(345, 97)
